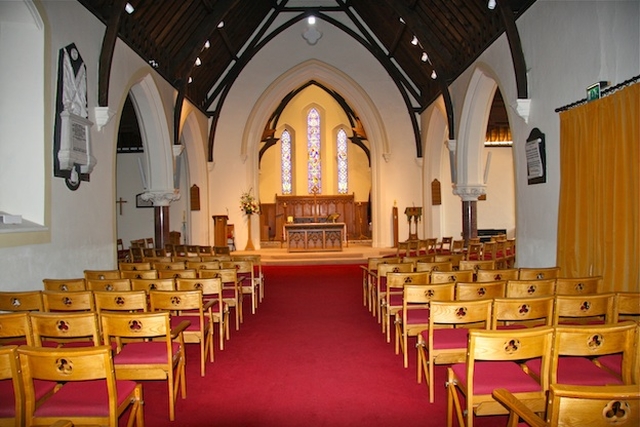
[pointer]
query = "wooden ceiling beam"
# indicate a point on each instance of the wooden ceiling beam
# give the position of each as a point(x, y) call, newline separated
point(517, 55)
point(106, 52)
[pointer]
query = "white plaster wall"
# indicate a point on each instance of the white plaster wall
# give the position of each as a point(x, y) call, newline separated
point(232, 174)
point(567, 46)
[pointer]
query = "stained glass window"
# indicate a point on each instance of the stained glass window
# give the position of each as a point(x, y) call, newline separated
point(343, 165)
point(314, 172)
point(285, 156)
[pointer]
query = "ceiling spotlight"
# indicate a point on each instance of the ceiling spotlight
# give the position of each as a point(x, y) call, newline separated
point(154, 63)
point(402, 20)
point(207, 45)
point(424, 57)
point(129, 8)
point(190, 79)
point(198, 62)
point(312, 20)
point(221, 24)
point(434, 75)
point(492, 4)
point(414, 41)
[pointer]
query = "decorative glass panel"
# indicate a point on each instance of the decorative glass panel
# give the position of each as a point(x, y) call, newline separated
point(285, 157)
point(314, 173)
point(343, 165)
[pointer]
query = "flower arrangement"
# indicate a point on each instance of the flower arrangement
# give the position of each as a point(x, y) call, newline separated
point(248, 203)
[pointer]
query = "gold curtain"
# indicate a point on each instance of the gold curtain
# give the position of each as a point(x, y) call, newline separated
point(598, 219)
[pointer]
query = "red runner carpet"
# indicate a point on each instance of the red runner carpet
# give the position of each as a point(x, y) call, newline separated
point(312, 355)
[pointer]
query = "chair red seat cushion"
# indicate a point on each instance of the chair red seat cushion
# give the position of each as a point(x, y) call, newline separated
point(228, 293)
point(195, 324)
point(83, 398)
point(418, 316)
point(575, 370)
point(612, 362)
point(144, 353)
point(7, 403)
point(489, 375)
point(447, 338)
point(395, 300)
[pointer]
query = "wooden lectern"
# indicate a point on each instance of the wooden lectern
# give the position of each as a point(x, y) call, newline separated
point(415, 214)
point(220, 233)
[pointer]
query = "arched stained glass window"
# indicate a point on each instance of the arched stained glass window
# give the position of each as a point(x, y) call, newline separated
point(285, 156)
point(343, 165)
point(314, 172)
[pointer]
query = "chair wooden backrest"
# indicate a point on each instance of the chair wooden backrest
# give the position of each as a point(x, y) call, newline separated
point(457, 247)
point(68, 301)
point(451, 276)
point(444, 245)
point(120, 300)
point(109, 285)
point(522, 312)
point(65, 327)
point(595, 341)
point(122, 266)
point(244, 270)
point(434, 266)
point(420, 296)
point(476, 265)
point(578, 285)
point(64, 285)
point(538, 273)
point(203, 265)
point(493, 275)
point(173, 265)
point(101, 274)
point(139, 274)
point(155, 258)
point(175, 274)
point(626, 306)
point(570, 406)
point(474, 251)
point(489, 250)
point(415, 259)
point(15, 328)
point(467, 291)
point(454, 259)
point(71, 365)
point(21, 301)
point(587, 308)
point(12, 402)
point(153, 284)
point(530, 288)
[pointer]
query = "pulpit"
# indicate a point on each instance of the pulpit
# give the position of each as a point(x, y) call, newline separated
point(220, 232)
point(414, 214)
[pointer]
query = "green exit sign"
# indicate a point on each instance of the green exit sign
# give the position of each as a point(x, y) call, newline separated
point(593, 91)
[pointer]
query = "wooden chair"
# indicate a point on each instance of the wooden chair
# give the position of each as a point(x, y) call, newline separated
point(510, 252)
point(578, 285)
point(21, 301)
point(457, 247)
point(128, 301)
point(468, 291)
point(434, 266)
point(109, 285)
point(231, 294)
point(134, 266)
point(380, 289)
point(139, 274)
point(493, 361)
point(15, 329)
point(428, 246)
point(512, 313)
point(530, 288)
point(414, 316)
point(538, 273)
point(476, 265)
point(501, 253)
point(393, 297)
point(494, 275)
point(149, 360)
point(490, 252)
point(12, 402)
point(176, 274)
point(474, 252)
point(415, 259)
point(451, 276)
point(211, 289)
point(444, 245)
point(570, 406)
point(90, 394)
point(445, 341)
point(173, 265)
point(205, 250)
point(101, 274)
point(454, 259)
point(581, 309)
point(188, 305)
point(246, 280)
point(626, 306)
point(369, 275)
point(258, 276)
point(122, 253)
point(65, 329)
point(68, 301)
point(153, 285)
point(186, 258)
point(153, 259)
point(64, 285)
point(203, 265)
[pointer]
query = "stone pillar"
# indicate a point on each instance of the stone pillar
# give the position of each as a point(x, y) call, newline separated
point(161, 201)
point(469, 195)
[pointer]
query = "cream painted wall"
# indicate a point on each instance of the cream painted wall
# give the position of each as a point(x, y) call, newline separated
point(332, 119)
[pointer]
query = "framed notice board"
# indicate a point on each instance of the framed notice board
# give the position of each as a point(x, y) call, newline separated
point(536, 158)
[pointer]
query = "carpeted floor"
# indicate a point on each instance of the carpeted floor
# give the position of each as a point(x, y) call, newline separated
point(312, 355)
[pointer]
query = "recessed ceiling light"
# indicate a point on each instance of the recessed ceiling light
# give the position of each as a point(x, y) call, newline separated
point(434, 75)
point(207, 45)
point(190, 79)
point(312, 20)
point(198, 62)
point(129, 8)
point(402, 20)
point(221, 24)
point(492, 4)
point(424, 57)
point(414, 41)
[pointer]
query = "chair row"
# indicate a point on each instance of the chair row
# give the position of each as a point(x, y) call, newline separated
point(528, 362)
point(39, 386)
point(414, 316)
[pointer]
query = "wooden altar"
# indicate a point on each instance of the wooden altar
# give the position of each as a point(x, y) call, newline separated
point(315, 237)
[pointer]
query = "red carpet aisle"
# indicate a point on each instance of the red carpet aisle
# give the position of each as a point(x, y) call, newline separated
point(312, 355)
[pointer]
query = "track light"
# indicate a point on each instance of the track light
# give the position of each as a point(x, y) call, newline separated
point(492, 4)
point(198, 62)
point(434, 75)
point(414, 41)
point(424, 57)
point(129, 8)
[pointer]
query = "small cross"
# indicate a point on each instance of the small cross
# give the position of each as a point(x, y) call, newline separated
point(120, 202)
